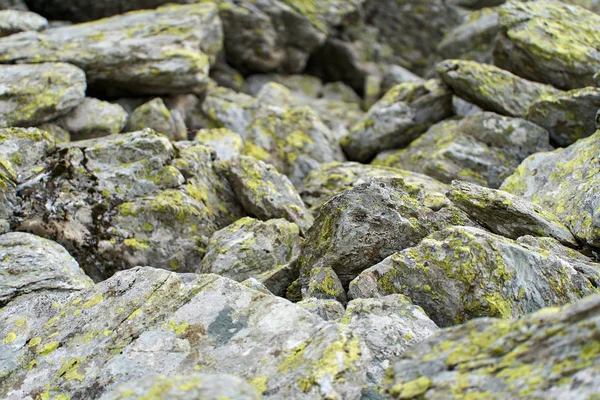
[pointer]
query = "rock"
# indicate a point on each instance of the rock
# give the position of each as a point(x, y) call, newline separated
point(462, 108)
point(549, 42)
point(13, 5)
point(250, 247)
point(329, 310)
point(568, 117)
point(197, 386)
point(484, 148)
point(274, 94)
point(333, 178)
point(508, 215)
point(30, 264)
point(492, 88)
point(294, 140)
point(405, 112)
point(226, 108)
point(566, 182)
point(52, 90)
point(156, 116)
point(226, 76)
point(301, 86)
point(265, 193)
point(323, 283)
point(339, 91)
point(227, 144)
point(462, 273)
point(14, 21)
point(59, 134)
point(396, 75)
point(169, 54)
point(254, 284)
point(94, 118)
point(278, 279)
point(538, 356)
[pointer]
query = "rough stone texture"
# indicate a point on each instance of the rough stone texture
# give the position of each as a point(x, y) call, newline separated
point(226, 144)
point(278, 279)
point(462, 273)
point(333, 178)
point(323, 283)
point(329, 310)
point(549, 42)
point(492, 88)
point(156, 116)
point(59, 134)
point(395, 75)
point(405, 112)
point(484, 148)
point(192, 386)
point(226, 108)
point(508, 215)
point(250, 247)
point(94, 118)
point(552, 354)
point(14, 21)
point(32, 94)
point(160, 51)
point(361, 226)
point(30, 264)
point(566, 181)
point(569, 116)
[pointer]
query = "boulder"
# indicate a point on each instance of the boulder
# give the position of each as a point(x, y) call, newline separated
point(15, 21)
point(156, 116)
point(226, 144)
point(93, 118)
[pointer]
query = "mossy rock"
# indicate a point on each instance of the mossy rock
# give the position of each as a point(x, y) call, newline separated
point(94, 118)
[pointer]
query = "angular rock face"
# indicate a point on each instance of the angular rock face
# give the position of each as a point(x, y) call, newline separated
point(484, 148)
point(549, 42)
point(164, 51)
point(538, 356)
point(225, 143)
point(37, 93)
point(14, 21)
point(94, 118)
point(155, 115)
point(566, 182)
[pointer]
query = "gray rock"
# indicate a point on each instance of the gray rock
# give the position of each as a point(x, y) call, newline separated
point(274, 94)
point(160, 51)
point(13, 5)
point(329, 310)
point(94, 118)
point(52, 90)
point(265, 193)
point(278, 279)
point(566, 182)
point(492, 88)
point(227, 144)
point(569, 116)
point(30, 264)
point(14, 21)
point(323, 283)
point(226, 108)
point(59, 134)
point(540, 356)
point(156, 116)
point(462, 108)
point(255, 284)
point(462, 273)
point(249, 247)
point(302, 86)
point(549, 42)
point(484, 148)
point(395, 75)
point(404, 113)
point(508, 215)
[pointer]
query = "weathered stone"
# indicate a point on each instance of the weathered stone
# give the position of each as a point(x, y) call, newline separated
point(566, 182)
point(265, 193)
point(404, 113)
point(255, 284)
point(278, 279)
point(226, 108)
point(250, 247)
point(36, 93)
point(549, 42)
point(463, 273)
point(225, 143)
point(160, 51)
point(329, 310)
point(569, 116)
point(59, 134)
point(323, 283)
point(274, 94)
point(540, 356)
point(492, 88)
point(30, 264)
point(14, 21)
point(507, 215)
point(395, 75)
point(13, 5)
point(302, 86)
point(484, 148)
point(156, 116)
point(94, 118)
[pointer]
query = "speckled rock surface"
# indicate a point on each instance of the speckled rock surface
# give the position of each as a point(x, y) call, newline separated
point(225, 143)
point(156, 116)
point(37, 93)
point(94, 118)
point(323, 283)
point(462, 273)
point(329, 310)
point(15, 21)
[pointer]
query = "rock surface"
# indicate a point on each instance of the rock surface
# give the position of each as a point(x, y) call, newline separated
point(93, 118)
point(14, 21)
point(155, 115)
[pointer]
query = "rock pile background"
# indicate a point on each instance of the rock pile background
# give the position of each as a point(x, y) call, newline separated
point(337, 199)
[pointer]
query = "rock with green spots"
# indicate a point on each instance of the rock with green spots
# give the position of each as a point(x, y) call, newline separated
point(492, 88)
point(484, 148)
point(302, 86)
point(226, 144)
point(255, 284)
point(167, 50)
point(22, 152)
point(146, 322)
point(15, 21)
point(278, 279)
point(508, 215)
point(552, 354)
point(30, 264)
point(333, 178)
point(568, 116)
point(549, 42)
point(94, 118)
point(265, 193)
point(226, 108)
point(395, 75)
point(329, 310)
point(249, 247)
point(274, 94)
point(59, 134)
point(37, 93)
point(185, 387)
point(462, 273)
point(323, 283)
point(390, 325)
point(225, 75)
point(156, 116)
point(566, 182)
point(402, 115)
